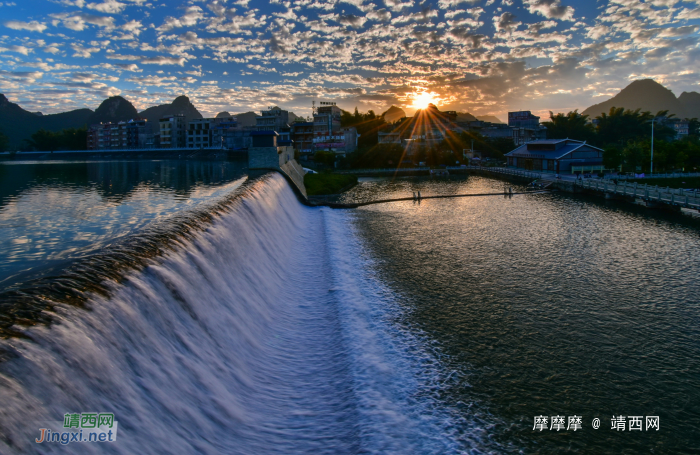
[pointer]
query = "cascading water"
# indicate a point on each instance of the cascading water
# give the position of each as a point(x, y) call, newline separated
point(261, 332)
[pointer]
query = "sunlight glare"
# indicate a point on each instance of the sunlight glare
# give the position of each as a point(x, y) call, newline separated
point(422, 99)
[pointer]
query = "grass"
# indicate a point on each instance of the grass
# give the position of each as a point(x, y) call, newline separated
point(690, 182)
point(322, 184)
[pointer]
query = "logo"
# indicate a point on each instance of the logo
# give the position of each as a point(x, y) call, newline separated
point(83, 427)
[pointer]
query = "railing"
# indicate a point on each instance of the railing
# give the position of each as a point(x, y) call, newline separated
point(655, 176)
point(653, 193)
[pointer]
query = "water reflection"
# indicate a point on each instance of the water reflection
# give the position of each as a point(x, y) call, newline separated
point(549, 305)
point(52, 212)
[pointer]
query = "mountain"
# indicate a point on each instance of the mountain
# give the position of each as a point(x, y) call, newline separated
point(465, 117)
point(489, 118)
point(114, 109)
point(393, 114)
point(181, 105)
point(223, 114)
point(691, 103)
point(246, 118)
point(18, 124)
point(645, 94)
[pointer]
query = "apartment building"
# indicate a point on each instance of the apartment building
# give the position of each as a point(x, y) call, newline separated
point(173, 132)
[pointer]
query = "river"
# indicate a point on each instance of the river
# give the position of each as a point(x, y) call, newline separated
point(213, 313)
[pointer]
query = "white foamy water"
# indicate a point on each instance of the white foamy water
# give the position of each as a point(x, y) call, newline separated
point(265, 333)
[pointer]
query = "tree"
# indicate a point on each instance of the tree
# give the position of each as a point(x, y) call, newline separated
point(323, 157)
point(572, 126)
point(4, 142)
point(43, 140)
point(612, 157)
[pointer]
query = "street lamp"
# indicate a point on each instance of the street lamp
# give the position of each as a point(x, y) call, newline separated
point(652, 145)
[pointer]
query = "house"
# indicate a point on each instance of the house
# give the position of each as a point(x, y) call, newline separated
point(556, 155)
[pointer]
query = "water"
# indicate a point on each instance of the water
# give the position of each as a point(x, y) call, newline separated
point(244, 322)
point(53, 212)
point(549, 305)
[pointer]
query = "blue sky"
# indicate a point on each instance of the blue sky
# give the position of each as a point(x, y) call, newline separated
point(480, 56)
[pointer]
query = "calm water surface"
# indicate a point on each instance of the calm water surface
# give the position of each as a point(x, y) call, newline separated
point(548, 305)
point(52, 212)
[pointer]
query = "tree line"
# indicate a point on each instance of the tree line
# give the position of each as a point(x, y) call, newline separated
point(625, 137)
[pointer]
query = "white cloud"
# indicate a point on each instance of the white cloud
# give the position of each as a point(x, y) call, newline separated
point(32, 26)
point(83, 52)
point(108, 6)
point(130, 67)
point(19, 49)
point(192, 15)
point(133, 26)
point(551, 9)
point(78, 21)
point(446, 4)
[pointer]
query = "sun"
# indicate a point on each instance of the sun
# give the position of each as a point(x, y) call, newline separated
point(422, 99)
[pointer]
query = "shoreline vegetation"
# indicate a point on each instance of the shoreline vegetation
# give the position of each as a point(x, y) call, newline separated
point(324, 184)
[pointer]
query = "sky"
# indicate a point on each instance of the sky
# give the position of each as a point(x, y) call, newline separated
point(478, 56)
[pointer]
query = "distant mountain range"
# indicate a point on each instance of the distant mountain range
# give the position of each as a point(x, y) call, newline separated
point(19, 124)
point(649, 95)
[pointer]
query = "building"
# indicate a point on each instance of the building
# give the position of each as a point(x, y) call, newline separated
point(302, 134)
point(561, 156)
point(525, 127)
point(173, 132)
point(273, 119)
point(389, 137)
point(523, 119)
point(139, 134)
point(681, 127)
point(92, 137)
point(200, 133)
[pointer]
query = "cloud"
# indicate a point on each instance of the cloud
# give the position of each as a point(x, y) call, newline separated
point(155, 81)
point(447, 4)
point(506, 21)
point(78, 21)
point(551, 9)
point(398, 5)
point(83, 52)
point(192, 15)
point(133, 67)
point(32, 26)
point(162, 60)
point(262, 69)
point(351, 20)
point(13, 48)
point(381, 15)
point(108, 6)
point(20, 76)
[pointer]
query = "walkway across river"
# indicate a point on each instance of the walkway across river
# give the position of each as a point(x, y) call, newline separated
point(353, 205)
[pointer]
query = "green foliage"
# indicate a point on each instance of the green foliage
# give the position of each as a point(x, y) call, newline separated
point(378, 156)
point(67, 139)
point(620, 126)
point(368, 126)
point(326, 183)
point(326, 158)
point(572, 125)
point(612, 157)
point(4, 142)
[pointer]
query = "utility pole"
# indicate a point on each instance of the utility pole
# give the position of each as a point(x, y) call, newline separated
point(652, 145)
